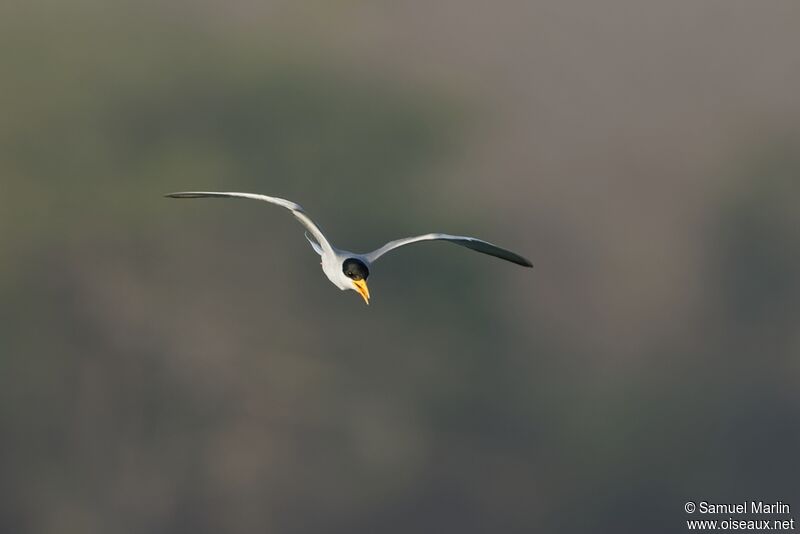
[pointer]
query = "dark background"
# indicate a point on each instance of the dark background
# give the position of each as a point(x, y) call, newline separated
point(184, 366)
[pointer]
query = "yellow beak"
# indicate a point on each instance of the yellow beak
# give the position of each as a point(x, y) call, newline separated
point(363, 290)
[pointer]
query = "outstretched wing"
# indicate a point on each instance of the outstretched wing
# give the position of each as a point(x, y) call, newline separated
point(296, 210)
point(469, 242)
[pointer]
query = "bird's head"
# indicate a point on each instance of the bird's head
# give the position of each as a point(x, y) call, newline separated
point(358, 272)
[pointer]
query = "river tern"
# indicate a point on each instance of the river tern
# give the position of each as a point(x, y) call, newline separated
point(349, 270)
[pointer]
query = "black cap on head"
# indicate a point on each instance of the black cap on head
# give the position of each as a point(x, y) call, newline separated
point(355, 269)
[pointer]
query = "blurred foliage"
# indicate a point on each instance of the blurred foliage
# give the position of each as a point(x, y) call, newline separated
point(760, 239)
point(103, 119)
point(184, 366)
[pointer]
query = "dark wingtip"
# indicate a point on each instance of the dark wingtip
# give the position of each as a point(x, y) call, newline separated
point(184, 195)
point(198, 195)
point(522, 262)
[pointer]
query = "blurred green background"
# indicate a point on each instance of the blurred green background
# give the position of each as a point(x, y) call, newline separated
point(175, 366)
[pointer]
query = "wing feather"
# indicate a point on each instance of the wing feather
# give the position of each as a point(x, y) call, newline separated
point(473, 243)
point(296, 209)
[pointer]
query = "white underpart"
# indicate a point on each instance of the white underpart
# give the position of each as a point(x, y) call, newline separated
point(332, 267)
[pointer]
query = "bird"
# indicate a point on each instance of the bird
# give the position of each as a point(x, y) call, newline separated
point(349, 270)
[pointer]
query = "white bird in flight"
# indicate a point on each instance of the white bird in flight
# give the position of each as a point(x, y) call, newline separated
point(349, 270)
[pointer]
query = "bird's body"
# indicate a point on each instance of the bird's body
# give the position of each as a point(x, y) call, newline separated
point(332, 266)
point(349, 270)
